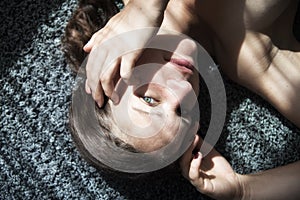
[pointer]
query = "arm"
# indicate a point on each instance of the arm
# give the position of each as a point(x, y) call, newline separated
point(260, 52)
point(272, 73)
point(213, 176)
point(137, 14)
point(279, 183)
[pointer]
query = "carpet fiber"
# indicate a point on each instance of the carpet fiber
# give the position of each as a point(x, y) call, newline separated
point(37, 157)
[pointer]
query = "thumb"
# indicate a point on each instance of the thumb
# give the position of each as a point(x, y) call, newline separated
point(196, 175)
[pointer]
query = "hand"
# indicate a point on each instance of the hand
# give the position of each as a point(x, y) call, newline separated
point(211, 175)
point(110, 63)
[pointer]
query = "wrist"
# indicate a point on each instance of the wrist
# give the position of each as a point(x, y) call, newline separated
point(152, 10)
point(243, 189)
point(151, 5)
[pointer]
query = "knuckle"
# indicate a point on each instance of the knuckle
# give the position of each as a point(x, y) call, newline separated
point(125, 71)
point(192, 176)
point(124, 74)
point(127, 76)
point(104, 78)
point(192, 179)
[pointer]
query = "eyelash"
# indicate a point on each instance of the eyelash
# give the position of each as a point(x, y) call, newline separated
point(146, 100)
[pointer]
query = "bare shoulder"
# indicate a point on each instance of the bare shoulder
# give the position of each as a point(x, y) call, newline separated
point(259, 15)
point(271, 72)
point(226, 16)
point(281, 84)
point(259, 52)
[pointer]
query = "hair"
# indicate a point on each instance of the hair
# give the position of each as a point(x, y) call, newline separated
point(89, 17)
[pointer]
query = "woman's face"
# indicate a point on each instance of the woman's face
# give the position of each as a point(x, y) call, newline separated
point(156, 105)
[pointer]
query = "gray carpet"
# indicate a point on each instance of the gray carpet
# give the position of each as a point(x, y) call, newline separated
point(37, 157)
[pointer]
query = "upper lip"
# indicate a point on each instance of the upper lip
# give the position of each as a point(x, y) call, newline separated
point(183, 65)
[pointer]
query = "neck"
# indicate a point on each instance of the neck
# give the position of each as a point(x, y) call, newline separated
point(183, 17)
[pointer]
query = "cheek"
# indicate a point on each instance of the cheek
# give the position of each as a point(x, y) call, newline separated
point(141, 121)
point(171, 129)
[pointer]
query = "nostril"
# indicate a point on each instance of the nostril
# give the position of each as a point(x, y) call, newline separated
point(167, 56)
point(178, 111)
point(181, 112)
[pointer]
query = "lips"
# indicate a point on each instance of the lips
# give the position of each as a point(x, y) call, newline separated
point(183, 65)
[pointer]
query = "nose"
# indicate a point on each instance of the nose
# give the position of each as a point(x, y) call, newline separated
point(185, 97)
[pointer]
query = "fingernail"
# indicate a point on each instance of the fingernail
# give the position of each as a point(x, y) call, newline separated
point(115, 98)
point(99, 104)
point(198, 155)
point(195, 151)
point(88, 43)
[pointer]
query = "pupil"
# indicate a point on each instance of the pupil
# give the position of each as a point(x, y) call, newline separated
point(147, 99)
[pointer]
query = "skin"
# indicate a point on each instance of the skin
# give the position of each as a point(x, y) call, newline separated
point(120, 23)
point(254, 45)
point(154, 106)
point(251, 52)
point(244, 46)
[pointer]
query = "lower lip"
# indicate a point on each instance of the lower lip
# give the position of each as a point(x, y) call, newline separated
point(183, 64)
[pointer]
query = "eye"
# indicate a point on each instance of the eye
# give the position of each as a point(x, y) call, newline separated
point(149, 100)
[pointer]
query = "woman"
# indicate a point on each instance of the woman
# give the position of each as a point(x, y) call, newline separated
point(246, 39)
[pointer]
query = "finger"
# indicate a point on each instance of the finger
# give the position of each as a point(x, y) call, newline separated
point(98, 95)
point(127, 65)
point(186, 158)
point(94, 66)
point(96, 39)
point(108, 78)
point(194, 172)
point(93, 85)
point(87, 88)
point(88, 46)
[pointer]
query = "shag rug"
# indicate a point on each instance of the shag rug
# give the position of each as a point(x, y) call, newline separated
point(38, 159)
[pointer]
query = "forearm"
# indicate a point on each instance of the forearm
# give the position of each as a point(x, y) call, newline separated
point(153, 10)
point(279, 183)
point(156, 5)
